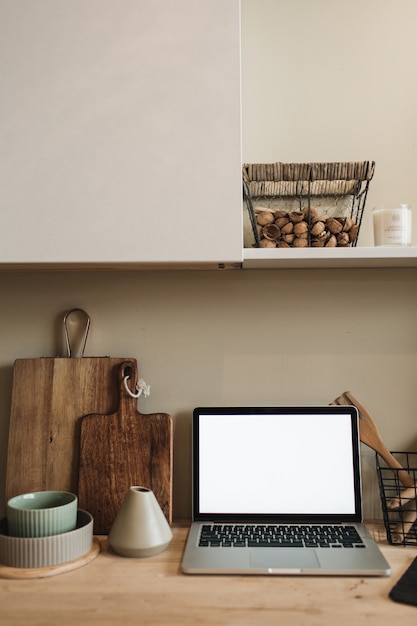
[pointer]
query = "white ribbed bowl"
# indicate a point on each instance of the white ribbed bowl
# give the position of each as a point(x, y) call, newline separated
point(46, 551)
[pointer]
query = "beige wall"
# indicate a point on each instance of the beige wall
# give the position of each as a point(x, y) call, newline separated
point(233, 337)
point(325, 81)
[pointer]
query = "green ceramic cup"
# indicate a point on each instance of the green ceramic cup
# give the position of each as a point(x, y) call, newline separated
point(42, 514)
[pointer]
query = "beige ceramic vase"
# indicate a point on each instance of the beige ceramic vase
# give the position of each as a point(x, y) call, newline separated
point(140, 528)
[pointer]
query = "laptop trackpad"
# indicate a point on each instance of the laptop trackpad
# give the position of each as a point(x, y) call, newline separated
point(284, 558)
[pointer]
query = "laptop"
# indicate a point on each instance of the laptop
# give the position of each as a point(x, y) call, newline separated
point(277, 490)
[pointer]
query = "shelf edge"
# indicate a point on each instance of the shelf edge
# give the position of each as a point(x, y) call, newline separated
point(322, 258)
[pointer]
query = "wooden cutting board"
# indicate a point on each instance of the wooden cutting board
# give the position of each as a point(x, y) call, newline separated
point(49, 397)
point(124, 449)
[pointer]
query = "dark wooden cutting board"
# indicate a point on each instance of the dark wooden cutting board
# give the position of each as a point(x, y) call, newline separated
point(49, 397)
point(124, 449)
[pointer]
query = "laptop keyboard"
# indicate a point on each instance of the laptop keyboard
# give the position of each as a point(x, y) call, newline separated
point(279, 536)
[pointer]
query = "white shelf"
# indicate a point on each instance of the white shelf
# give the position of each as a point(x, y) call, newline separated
point(325, 258)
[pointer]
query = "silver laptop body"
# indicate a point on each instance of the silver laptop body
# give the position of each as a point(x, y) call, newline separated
point(270, 473)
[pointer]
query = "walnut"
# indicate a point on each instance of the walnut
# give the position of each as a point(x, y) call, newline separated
point(296, 216)
point(268, 243)
point(353, 233)
point(323, 236)
point(272, 231)
point(287, 228)
point(332, 242)
point(317, 228)
point(301, 227)
point(265, 217)
point(281, 213)
point(348, 223)
point(310, 213)
point(282, 221)
point(333, 225)
point(299, 242)
point(342, 239)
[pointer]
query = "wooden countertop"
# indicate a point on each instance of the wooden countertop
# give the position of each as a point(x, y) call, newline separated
point(113, 590)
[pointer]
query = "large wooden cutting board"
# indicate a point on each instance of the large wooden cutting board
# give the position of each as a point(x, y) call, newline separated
point(49, 397)
point(121, 450)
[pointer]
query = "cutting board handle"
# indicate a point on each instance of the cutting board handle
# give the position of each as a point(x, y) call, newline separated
point(76, 344)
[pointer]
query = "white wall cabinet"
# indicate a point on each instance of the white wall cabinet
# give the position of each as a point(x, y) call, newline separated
point(120, 132)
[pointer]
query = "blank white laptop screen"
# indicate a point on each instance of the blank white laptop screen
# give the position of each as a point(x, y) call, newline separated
point(281, 466)
point(289, 464)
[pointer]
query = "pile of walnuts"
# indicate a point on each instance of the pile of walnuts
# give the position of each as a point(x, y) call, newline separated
point(300, 229)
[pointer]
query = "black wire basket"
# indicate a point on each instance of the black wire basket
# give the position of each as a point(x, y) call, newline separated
point(399, 502)
point(293, 205)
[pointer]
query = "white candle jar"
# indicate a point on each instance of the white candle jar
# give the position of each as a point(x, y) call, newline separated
point(392, 225)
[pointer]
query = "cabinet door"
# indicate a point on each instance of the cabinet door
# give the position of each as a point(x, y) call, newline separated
point(120, 132)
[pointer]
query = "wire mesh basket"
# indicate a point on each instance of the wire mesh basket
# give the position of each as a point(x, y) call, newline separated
point(296, 205)
point(399, 503)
